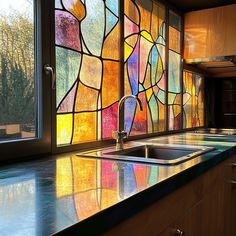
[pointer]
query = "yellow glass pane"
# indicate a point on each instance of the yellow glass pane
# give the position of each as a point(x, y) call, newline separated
point(147, 35)
point(147, 81)
point(188, 82)
point(149, 122)
point(149, 94)
point(128, 51)
point(85, 127)
point(177, 110)
point(188, 113)
point(64, 128)
point(64, 185)
point(174, 39)
point(76, 7)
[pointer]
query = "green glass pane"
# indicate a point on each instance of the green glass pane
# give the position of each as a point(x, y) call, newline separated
point(67, 67)
point(174, 72)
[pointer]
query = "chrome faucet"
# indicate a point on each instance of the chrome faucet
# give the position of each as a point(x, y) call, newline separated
point(119, 134)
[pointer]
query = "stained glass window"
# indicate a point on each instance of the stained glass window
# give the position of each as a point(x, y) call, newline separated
point(193, 105)
point(174, 72)
point(87, 69)
point(145, 66)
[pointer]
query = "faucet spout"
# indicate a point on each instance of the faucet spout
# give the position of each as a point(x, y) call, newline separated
point(120, 134)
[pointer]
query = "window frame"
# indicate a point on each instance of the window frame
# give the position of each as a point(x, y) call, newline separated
point(16, 149)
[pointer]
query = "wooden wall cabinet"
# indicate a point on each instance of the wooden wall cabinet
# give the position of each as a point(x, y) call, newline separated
point(210, 32)
point(204, 206)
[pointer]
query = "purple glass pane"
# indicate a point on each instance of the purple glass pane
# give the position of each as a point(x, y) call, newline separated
point(67, 30)
point(68, 102)
point(133, 68)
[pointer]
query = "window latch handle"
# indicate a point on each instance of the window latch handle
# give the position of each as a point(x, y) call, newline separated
point(50, 71)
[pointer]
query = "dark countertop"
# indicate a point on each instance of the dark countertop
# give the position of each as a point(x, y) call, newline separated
point(68, 194)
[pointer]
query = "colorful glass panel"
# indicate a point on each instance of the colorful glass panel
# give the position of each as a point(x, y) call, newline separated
point(174, 73)
point(193, 106)
point(87, 69)
point(174, 36)
point(174, 91)
point(145, 66)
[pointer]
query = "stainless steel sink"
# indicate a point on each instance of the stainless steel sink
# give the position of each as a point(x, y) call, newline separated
point(157, 154)
point(216, 131)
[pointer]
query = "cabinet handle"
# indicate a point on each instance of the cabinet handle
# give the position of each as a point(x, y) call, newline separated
point(233, 165)
point(233, 183)
point(179, 232)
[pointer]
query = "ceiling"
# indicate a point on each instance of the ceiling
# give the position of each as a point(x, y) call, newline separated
point(193, 5)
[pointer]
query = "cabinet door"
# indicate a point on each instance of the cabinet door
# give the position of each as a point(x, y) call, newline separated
point(210, 216)
point(189, 225)
point(232, 206)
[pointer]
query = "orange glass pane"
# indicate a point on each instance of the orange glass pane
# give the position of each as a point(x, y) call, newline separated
point(174, 39)
point(88, 102)
point(145, 9)
point(85, 127)
point(112, 44)
point(162, 14)
point(162, 115)
point(91, 71)
point(131, 11)
point(110, 84)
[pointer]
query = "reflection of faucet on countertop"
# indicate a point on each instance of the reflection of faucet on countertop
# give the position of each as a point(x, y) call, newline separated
point(119, 134)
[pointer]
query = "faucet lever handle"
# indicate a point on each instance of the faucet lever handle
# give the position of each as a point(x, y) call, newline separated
point(124, 134)
point(119, 134)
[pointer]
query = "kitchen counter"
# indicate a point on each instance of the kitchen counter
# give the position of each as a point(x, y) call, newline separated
point(67, 193)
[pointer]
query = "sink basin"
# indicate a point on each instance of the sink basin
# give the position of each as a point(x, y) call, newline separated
point(156, 154)
point(152, 151)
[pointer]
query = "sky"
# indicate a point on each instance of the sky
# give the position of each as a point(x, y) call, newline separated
point(20, 5)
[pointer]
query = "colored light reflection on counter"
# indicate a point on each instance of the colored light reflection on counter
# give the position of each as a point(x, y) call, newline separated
point(18, 205)
point(88, 185)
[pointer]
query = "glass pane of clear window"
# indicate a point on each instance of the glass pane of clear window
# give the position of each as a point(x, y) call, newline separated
point(18, 113)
